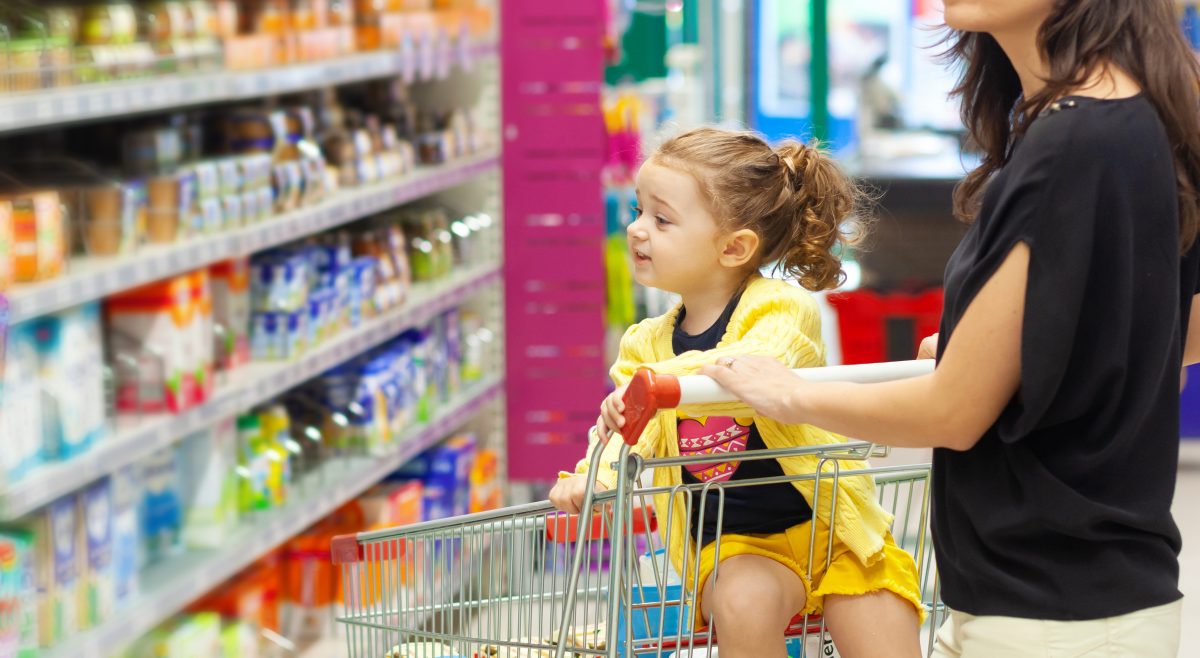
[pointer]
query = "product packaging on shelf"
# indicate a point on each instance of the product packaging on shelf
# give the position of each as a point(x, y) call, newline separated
point(254, 462)
point(485, 492)
point(201, 335)
point(56, 531)
point(209, 489)
point(38, 234)
point(6, 245)
point(98, 587)
point(151, 333)
point(231, 312)
point(18, 595)
point(162, 507)
point(71, 370)
point(308, 605)
point(444, 471)
point(21, 404)
point(127, 534)
point(276, 441)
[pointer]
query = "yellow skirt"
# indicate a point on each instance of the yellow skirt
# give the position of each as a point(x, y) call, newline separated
point(894, 571)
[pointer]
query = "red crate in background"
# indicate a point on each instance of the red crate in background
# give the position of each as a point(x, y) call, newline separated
point(885, 326)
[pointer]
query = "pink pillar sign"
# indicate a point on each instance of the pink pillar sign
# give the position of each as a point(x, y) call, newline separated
point(554, 142)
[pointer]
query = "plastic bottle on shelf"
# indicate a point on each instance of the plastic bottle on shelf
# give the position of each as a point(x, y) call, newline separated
point(254, 467)
point(276, 439)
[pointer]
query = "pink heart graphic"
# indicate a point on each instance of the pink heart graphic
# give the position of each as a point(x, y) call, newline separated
point(712, 436)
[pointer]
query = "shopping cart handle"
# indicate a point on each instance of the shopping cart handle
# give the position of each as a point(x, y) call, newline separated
point(649, 392)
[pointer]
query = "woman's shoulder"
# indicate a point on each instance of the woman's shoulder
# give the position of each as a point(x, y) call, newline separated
point(1094, 132)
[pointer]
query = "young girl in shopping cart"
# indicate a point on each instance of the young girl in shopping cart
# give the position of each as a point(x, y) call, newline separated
point(714, 207)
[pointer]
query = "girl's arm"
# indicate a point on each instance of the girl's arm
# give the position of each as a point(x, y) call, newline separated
point(978, 375)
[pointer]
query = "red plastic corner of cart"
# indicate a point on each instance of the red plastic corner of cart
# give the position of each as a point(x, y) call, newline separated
point(564, 528)
point(345, 549)
point(646, 394)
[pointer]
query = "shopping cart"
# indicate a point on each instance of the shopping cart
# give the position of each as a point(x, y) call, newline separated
point(529, 581)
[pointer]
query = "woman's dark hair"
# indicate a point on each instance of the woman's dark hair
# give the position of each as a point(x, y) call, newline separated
point(1142, 37)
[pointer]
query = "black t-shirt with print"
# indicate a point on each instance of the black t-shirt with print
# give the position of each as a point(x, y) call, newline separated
point(751, 509)
point(1062, 510)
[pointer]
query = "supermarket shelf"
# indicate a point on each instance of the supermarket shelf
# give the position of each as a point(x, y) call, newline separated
point(255, 383)
point(94, 278)
point(171, 585)
point(25, 110)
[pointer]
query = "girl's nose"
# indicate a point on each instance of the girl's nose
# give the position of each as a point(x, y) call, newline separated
point(637, 229)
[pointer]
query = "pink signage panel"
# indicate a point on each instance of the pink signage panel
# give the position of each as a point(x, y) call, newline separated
point(554, 140)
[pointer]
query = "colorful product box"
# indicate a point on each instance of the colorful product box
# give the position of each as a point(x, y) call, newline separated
point(485, 490)
point(18, 595)
point(157, 322)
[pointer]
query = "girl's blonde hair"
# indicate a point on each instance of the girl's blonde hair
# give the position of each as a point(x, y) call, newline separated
point(794, 197)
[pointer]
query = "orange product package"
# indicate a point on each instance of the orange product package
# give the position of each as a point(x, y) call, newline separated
point(6, 245)
point(38, 235)
point(485, 482)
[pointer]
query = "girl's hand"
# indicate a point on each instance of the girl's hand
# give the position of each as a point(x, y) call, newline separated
point(612, 412)
point(567, 494)
point(928, 349)
point(765, 384)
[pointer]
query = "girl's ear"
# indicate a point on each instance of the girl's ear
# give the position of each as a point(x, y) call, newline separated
point(738, 248)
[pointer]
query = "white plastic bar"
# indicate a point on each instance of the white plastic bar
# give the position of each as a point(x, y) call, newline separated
point(698, 389)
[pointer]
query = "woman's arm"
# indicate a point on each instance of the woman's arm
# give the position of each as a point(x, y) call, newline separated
point(978, 375)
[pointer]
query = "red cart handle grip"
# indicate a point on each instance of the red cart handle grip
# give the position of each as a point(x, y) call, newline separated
point(646, 394)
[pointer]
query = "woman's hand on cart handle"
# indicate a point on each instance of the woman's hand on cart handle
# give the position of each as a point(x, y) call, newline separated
point(567, 494)
point(757, 381)
point(928, 349)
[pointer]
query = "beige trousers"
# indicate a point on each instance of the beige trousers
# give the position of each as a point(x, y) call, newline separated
point(1149, 633)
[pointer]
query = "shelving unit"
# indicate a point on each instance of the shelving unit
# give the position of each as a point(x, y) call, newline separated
point(53, 107)
point(445, 68)
point(169, 586)
point(137, 438)
point(94, 278)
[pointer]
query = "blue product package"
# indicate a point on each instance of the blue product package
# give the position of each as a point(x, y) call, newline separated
point(647, 622)
point(126, 541)
point(266, 335)
point(162, 506)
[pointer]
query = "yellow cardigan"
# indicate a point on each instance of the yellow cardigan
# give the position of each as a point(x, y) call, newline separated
point(774, 319)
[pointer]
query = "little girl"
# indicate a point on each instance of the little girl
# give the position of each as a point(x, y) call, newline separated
point(715, 206)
